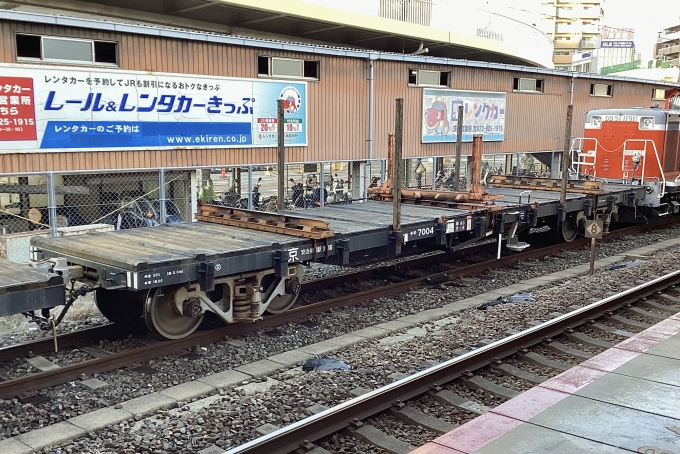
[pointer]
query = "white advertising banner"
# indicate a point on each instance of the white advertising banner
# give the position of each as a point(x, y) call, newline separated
point(483, 113)
point(76, 109)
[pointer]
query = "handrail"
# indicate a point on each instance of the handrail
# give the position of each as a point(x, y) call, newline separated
point(580, 154)
point(644, 154)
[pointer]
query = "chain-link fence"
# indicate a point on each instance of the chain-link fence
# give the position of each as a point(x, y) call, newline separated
point(62, 204)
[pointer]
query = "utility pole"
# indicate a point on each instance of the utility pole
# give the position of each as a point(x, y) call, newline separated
point(396, 166)
point(566, 155)
point(459, 149)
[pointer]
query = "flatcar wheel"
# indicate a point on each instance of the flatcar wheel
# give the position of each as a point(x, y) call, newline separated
point(284, 302)
point(121, 306)
point(164, 313)
point(568, 230)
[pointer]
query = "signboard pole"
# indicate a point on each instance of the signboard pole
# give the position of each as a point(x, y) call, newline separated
point(592, 255)
point(459, 149)
point(396, 166)
point(593, 230)
point(566, 155)
point(281, 155)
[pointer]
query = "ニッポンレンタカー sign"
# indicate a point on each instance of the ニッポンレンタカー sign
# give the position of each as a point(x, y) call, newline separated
point(483, 113)
point(75, 109)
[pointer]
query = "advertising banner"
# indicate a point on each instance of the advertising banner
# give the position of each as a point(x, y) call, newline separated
point(483, 113)
point(617, 38)
point(75, 109)
point(617, 44)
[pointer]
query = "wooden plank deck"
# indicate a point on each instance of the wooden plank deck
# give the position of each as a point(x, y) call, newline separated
point(17, 276)
point(169, 244)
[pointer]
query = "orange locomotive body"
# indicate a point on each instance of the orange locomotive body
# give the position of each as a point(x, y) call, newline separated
point(634, 146)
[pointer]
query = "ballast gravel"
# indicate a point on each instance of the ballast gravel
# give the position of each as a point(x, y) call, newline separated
point(232, 417)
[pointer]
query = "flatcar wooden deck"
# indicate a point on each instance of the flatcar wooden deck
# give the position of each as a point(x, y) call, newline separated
point(168, 254)
point(512, 196)
point(22, 286)
point(178, 244)
point(146, 258)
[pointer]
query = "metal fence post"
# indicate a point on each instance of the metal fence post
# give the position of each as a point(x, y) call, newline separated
point(323, 188)
point(434, 173)
point(382, 170)
point(250, 187)
point(51, 204)
point(161, 195)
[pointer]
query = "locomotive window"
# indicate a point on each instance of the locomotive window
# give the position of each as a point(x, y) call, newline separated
point(58, 49)
point(601, 90)
point(420, 77)
point(289, 68)
point(659, 94)
point(527, 85)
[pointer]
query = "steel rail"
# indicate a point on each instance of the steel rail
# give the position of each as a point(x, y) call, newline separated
point(289, 438)
point(77, 338)
point(40, 380)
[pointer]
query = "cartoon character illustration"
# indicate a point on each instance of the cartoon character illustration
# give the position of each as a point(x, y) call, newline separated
point(292, 101)
point(436, 120)
point(290, 105)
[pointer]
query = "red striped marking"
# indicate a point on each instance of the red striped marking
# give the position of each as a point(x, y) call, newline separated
point(478, 432)
point(432, 448)
point(481, 431)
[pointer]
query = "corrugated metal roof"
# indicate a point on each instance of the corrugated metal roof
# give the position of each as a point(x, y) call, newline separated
point(318, 49)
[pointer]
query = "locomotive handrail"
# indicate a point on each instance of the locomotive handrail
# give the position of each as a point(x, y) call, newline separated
point(581, 154)
point(644, 156)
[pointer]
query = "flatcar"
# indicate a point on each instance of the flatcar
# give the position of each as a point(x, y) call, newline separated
point(639, 146)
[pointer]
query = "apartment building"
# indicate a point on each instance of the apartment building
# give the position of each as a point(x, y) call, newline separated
point(667, 48)
point(574, 27)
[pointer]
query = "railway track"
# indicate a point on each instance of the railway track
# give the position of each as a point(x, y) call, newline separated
point(105, 361)
point(398, 401)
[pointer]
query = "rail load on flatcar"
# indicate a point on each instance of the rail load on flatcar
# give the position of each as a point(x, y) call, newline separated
point(638, 146)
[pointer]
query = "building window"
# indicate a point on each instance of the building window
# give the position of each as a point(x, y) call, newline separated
point(659, 94)
point(288, 68)
point(420, 77)
point(57, 49)
point(525, 84)
point(601, 90)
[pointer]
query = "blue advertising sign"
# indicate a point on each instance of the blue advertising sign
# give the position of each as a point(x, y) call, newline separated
point(69, 109)
point(617, 44)
point(483, 113)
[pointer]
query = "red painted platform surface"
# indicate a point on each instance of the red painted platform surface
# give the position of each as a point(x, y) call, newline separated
point(626, 399)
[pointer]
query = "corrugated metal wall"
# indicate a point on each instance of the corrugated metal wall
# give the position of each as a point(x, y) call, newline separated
point(338, 105)
point(533, 121)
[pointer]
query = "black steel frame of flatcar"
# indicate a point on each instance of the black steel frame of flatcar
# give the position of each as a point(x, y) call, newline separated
point(23, 288)
point(347, 248)
point(531, 214)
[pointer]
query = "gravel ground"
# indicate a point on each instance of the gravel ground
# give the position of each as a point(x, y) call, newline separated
point(373, 362)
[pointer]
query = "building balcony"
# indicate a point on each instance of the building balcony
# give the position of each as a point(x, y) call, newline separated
point(590, 28)
point(668, 51)
point(562, 59)
point(567, 44)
